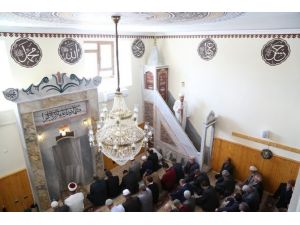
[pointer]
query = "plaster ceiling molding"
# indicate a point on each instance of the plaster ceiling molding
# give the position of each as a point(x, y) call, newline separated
point(151, 23)
point(101, 21)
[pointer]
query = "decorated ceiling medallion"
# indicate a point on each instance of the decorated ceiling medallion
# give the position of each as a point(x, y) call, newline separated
point(207, 49)
point(70, 51)
point(26, 52)
point(275, 51)
point(138, 48)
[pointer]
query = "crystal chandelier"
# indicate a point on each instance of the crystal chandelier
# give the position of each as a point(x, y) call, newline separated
point(118, 135)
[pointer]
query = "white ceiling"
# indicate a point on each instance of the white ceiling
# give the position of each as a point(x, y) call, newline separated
point(151, 22)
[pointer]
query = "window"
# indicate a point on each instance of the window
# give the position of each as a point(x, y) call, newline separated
point(99, 57)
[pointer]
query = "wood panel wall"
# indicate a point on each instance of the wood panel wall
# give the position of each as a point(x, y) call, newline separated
point(274, 170)
point(15, 192)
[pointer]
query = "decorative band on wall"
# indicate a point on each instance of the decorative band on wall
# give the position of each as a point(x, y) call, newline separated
point(60, 35)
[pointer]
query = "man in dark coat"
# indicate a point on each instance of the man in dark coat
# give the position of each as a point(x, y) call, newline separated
point(209, 200)
point(130, 181)
point(154, 158)
point(190, 167)
point(154, 189)
point(112, 183)
point(231, 204)
point(197, 181)
point(284, 192)
point(179, 193)
point(98, 192)
point(178, 168)
point(227, 165)
point(225, 184)
point(168, 180)
point(131, 204)
point(251, 197)
point(146, 165)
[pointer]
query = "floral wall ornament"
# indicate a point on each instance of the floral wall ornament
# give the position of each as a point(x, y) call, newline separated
point(207, 49)
point(26, 52)
point(275, 51)
point(70, 51)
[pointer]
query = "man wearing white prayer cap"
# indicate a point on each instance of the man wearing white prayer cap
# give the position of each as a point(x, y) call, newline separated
point(75, 200)
point(110, 205)
point(181, 110)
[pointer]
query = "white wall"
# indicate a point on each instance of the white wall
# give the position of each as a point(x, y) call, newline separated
point(16, 76)
point(247, 94)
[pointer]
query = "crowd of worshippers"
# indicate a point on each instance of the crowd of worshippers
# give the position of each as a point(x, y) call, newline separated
point(183, 187)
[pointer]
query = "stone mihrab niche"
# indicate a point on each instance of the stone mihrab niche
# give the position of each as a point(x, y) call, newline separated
point(54, 158)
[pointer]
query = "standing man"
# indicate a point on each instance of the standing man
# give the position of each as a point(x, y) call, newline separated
point(181, 110)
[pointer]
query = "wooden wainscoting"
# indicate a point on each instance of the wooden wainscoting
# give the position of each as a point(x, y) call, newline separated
point(15, 192)
point(275, 170)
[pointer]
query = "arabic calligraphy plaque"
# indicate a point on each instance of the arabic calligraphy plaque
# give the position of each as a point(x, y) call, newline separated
point(26, 52)
point(138, 48)
point(275, 51)
point(70, 51)
point(207, 49)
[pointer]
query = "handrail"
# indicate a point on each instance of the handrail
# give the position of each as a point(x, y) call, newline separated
point(266, 142)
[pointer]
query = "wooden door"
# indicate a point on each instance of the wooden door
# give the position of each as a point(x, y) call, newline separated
point(15, 192)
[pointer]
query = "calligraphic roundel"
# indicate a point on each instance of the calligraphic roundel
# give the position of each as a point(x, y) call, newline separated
point(26, 52)
point(275, 51)
point(70, 51)
point(207, 49)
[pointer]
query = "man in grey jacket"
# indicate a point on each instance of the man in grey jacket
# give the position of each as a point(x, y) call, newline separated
point(145, 197)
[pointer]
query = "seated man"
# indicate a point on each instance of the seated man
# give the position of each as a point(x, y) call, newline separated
point(225, 185)
point(189, 168)
point(179, 206)
point(98, 192)
point(130, 181)
point(284, 194)
point(75, 200)
point(227, 165)
point(179, 193)
point(154, 158)
point(189, 201)
point(168, 180)
point(258, 185)
point(131, 204)
point(135, 167)
point(178, 168)
point(114, 208)
point(146, 165)
point(154, 189)
point(146, 199)
point(251, 197)
point(197, 180)
point(250, 179)
point(231, 204)
point(112, 183)
point(209, 200)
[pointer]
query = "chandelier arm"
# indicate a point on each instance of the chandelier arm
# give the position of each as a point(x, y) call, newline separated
point(116, 20)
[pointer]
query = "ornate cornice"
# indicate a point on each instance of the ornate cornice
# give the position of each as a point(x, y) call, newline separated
point(188, 36)
point(60, 83)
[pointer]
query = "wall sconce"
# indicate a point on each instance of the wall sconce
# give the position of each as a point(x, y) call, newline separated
point(86, 122)
point(40, 137)
point(64, 130)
